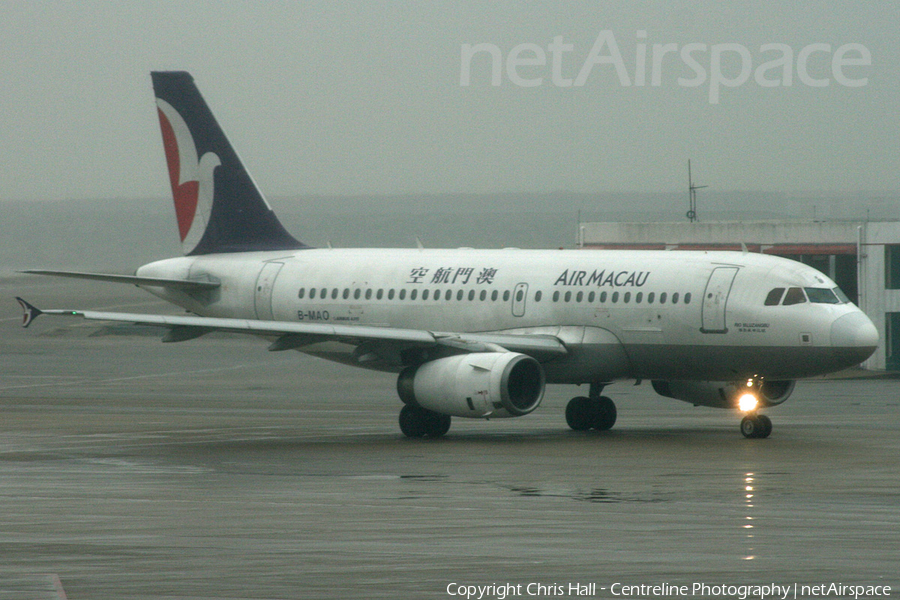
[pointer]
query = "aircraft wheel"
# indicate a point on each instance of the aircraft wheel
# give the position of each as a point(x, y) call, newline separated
point(436, 424)
point(756, 426)
point(416, 422)
point(766, 423)
point(605, 416)
point(412, 422)
point(580, 413)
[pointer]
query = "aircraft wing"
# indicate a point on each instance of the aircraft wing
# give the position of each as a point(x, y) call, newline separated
point(292, 335)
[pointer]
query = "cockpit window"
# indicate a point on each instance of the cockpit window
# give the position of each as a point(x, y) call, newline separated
point(841, 295)
point(822, 296)
point(774, 297)
point(794, 296)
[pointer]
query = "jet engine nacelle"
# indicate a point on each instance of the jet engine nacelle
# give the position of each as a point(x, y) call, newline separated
point(722, 394)
point(478, 385)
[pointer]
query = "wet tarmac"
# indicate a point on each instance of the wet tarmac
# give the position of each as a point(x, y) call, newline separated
point(215, 469)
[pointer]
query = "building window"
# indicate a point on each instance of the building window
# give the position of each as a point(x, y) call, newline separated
point(892, 340)
point(892, 266)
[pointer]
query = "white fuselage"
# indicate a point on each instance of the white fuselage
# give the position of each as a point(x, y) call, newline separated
point(621, 314)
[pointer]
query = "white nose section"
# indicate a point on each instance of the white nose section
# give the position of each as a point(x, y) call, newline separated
point(854, 330)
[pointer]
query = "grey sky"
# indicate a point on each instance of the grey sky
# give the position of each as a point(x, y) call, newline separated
point(365, 97)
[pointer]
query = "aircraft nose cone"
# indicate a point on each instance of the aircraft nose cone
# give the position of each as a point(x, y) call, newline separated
point(853, 338)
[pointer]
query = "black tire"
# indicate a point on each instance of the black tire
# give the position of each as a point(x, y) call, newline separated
point(751, 426)
point(580, 413)
point(766, 426)
point(436, 424)
point(605, 414)
point(412, 422)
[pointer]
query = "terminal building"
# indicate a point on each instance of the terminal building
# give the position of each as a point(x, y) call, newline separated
point(862, 257)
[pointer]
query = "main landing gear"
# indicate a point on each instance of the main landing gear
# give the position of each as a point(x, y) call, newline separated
point(416, 422)
point(756, 426)
point(592, 411)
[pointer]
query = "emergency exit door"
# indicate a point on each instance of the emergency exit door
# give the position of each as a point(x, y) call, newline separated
point(264, 284)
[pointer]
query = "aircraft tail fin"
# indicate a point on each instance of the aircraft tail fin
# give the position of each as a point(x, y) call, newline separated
point(217, 204)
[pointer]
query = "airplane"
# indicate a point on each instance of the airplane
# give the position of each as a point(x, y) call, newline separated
point(480, 333)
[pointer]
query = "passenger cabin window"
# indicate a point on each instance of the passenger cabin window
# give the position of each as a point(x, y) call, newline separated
point(774, 297)
point(794, 295)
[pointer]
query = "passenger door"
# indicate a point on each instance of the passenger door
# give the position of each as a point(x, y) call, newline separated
point(715, 299)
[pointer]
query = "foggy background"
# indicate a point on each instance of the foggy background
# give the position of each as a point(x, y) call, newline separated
point(352, 119)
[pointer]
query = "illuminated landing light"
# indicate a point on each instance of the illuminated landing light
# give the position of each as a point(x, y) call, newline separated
point(749, 488)
point(747, 403)
point(750, 558)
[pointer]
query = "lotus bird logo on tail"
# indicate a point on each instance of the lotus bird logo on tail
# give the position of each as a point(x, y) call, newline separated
point(191, 179)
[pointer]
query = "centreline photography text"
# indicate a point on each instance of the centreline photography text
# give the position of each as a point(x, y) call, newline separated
point(787, 591)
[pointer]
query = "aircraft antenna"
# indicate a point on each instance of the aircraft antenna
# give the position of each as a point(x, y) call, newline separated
point(692, 196)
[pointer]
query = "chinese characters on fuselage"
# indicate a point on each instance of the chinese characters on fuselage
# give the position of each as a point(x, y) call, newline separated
point(452, 275)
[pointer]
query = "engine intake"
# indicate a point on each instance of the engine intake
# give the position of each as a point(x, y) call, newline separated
point(478, 385)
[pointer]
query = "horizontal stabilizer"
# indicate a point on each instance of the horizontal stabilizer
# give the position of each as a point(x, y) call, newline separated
point(179, 284)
